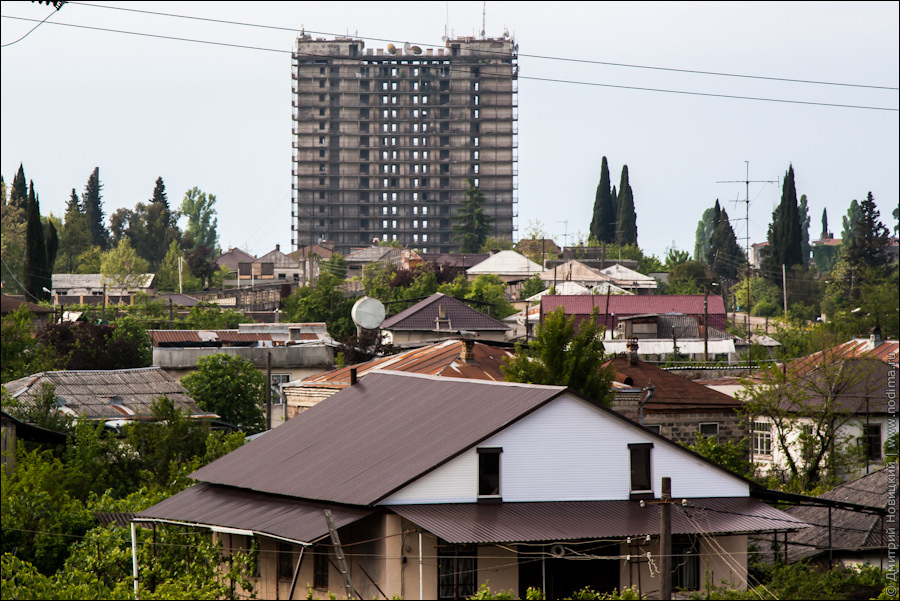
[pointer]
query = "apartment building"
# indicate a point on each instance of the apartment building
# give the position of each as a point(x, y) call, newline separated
point(386, 141)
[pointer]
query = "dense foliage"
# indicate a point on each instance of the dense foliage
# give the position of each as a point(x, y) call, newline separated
point(231, 387)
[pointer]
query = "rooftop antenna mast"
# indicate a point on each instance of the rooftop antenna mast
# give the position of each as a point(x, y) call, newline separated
point(747, 181)
point(483, 18)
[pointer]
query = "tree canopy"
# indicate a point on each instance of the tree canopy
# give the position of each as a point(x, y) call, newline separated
point(231, 387)
point(603, 222)
point(784, 237)
point(472, 225)
point(626, 218)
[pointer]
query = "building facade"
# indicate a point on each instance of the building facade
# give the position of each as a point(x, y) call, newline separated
point(387, 140)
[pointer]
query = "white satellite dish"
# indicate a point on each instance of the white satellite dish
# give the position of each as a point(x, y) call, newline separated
point(367, 313)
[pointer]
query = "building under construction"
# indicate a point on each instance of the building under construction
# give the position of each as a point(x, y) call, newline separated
point(387, 141)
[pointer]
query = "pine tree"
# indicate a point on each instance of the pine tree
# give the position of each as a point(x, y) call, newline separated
point(37, 274)
point(626, 218)
point(18, 195)
point(870, 242)
point(160, 227)
point(473, 225)
point(603, 223)
point(784, 232)
point(93, 210)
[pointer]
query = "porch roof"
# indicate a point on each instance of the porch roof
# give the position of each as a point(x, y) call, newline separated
point(574, 520)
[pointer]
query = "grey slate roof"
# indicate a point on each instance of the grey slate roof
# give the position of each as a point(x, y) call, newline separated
point(851, 531)
point(345, 451)
point(112, 394)
point(422, 316)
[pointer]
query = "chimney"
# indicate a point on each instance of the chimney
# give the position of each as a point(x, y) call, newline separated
point(353, 379)
point(632, 352)
point(468, 353)
point(875, 337)
point(278, 247)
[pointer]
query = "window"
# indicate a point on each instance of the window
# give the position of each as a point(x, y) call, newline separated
point(285, 561)
point(655, 428)
point(641, 483)
point(320, 566)
point(488, 471)
point(279, 379)
point(685, 563)
point(710, 430)
point(457, 565)
point(762, 438)
point(872, 441)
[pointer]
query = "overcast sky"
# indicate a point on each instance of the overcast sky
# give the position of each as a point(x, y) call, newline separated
point(219, 117)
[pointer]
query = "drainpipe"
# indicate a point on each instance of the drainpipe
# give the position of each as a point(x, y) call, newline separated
point(134, 561)
point(421, 593)
point(649, 388)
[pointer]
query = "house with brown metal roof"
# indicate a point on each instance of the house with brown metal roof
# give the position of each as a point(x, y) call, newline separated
point(673, 406)
point(437, 317)
point(449, 358)
point(427, 487)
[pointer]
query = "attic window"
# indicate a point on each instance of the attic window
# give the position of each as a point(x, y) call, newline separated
point(441, 319)
point(489, 474)
point(641, 482)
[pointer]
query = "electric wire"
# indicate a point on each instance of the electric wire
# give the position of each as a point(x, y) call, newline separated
point(540, 79)
point(29, 31)
point(488, 51)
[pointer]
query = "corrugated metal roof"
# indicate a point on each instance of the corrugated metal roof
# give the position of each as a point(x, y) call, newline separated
point(573, 520)
point(671, 392)
point(8, 304)
point(439, 359)
point(622, 306)
point(227, 507)
point(885, 351)
point(424, 315)
point(373, 438)
point(101, 394)
point(574, 271)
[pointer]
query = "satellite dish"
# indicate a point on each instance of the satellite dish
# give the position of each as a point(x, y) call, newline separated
point(367, 313)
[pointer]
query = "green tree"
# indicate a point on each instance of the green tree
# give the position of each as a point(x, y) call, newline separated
point(231, 387)
point(725, 256)
point(323, 302)
point(12, 242)
point(533, 286)
point(870, 244)
point(21, 354)
point(336, 265)
point(207, 316)
point(18, 194)
point(472, 225)
point(732, 455)
point(93, 210)
point(848, 223)
point(37, 271)
point(825, 233)
point(167, 274)
point(86, 345)
point(202, 264)
point(626, 218)
point(492, 244)
point(784, 237)
point(690, 277)
point(75, 237)
point(805, 248)
point(603, 222)
point(559, 355)
point(200, 210)
point(122, 268)
point(162, 228)
point(703, 236)
point(676, 257)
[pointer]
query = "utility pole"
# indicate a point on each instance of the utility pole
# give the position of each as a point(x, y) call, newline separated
point(665, 537)
point(747, 181)
point(268, 390)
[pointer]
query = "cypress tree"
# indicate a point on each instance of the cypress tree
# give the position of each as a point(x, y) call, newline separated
point(18, 195)
point(849, 223)
point(724, 254)
point(51, 242)
point(805, 248)
point(603, 225)
point(626, 218)
point(785, 247)
point(825, 233)
point(37, 273)
point(93, 211)
point(703, 235)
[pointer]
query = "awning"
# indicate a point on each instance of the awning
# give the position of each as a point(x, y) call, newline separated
point(659, 346)
point(241, 511)
point(576, 520)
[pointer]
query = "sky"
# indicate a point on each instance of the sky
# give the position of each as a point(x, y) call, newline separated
point(648, 85)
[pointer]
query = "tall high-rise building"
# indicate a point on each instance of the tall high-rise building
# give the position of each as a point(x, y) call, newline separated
point(386, 142)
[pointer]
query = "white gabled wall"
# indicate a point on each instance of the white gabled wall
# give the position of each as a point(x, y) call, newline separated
point(570, 451)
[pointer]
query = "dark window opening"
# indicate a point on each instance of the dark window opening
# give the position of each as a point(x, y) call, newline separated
point(641, 482)
point(685, 563)
point(489, 472)
point(457, 565)
point(710, 430)
point(873, 441)
point(320, 566)
point(285, 561)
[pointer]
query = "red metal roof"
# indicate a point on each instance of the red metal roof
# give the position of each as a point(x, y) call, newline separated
point(371, 439)
point(228, 507)
point(573, 520)
point(460, 316)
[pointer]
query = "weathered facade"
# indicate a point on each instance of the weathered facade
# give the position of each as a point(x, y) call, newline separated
point(386, 141)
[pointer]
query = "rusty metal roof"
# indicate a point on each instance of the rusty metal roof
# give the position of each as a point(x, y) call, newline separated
point(885, 351)
point(625, 305)
point(226, 507)
point(373, 438)
point(111, 394)
point(439, 359)
point(573, 520)
point(457, 315)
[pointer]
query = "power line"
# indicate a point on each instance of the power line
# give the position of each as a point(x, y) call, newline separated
point(542, 79)
point(486, 51)
point(29, 31)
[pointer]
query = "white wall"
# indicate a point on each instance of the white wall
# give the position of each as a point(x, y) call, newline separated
point(570, 450)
